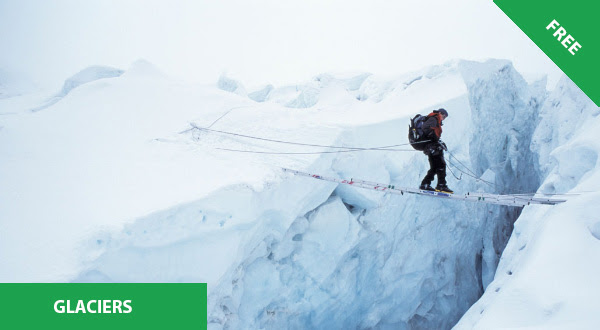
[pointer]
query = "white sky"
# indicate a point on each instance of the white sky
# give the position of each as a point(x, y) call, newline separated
point(257, 41)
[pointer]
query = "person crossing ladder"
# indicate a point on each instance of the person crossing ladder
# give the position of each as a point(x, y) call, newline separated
point(434, 149)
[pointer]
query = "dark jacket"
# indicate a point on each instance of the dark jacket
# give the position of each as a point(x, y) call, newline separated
point(433, 127)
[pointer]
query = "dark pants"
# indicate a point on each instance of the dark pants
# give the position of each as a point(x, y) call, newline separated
point(437, 165)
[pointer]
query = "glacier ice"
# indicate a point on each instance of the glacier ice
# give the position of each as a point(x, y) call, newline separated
point(547, 275)
point(288, 252)
point(355, 258)
point(231, 85)
point(262, 94)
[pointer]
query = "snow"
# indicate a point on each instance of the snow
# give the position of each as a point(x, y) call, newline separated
point(110, 183)
point(93, 162)
point(84, 76)
point(144, 70)
point(87, 75)
point(306, 99)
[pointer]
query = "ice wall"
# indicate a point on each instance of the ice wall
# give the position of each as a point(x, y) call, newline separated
point(505, 113)
point(547, 277)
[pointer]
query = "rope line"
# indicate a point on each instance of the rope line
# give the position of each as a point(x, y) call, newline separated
point(226, 113)
point(458, 160)
point(471, 175)
point(194, 126)
point(344, 149)
point(309, 153)
point(492, 184)
point(457, 178)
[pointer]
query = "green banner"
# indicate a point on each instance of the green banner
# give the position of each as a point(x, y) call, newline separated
point(106, 306)
point(567, 31)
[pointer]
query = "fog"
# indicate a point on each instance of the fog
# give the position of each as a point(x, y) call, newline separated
point(257, 42)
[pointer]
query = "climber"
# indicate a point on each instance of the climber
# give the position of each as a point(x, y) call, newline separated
point(432, 129)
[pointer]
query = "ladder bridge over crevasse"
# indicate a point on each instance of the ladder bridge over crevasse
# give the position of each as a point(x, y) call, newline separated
point(518, 200)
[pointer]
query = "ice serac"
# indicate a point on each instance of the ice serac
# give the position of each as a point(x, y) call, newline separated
point(502, 106)
point(318, 90)
point(504, 112)
point(261, 94)
point(308, 97)
point(546, 277)
point(564, 115)
point(231, 85)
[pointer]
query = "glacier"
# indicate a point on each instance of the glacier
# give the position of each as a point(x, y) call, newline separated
point(126, 191)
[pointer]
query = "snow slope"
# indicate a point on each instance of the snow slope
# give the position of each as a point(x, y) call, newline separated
point(91, 161)
point(124, 190)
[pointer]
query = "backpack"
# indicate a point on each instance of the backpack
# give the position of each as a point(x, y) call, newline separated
point(416, 134)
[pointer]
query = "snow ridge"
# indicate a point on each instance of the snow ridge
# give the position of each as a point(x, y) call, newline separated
point(84, 76)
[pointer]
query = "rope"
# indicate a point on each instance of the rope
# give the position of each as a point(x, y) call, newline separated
point(310, 153)
point(492, 184)
point(469, 174)
point(468, 171)
point(458, 160)
point(214, 122)
point(383, 148)
point(457, 178)
point(226, 113)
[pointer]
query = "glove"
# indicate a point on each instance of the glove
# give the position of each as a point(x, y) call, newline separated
point(433, 149)
point(443, 145)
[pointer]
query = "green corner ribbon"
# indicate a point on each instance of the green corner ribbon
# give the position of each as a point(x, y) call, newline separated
point(567, 31)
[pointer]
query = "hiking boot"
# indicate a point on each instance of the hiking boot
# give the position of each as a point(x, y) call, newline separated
point(427, 186)
point(444, 188)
